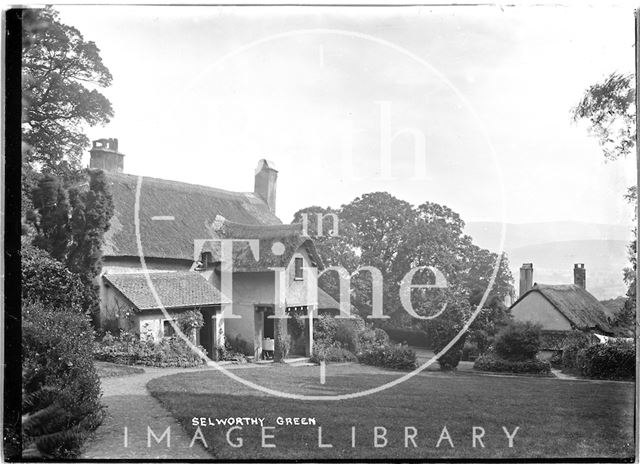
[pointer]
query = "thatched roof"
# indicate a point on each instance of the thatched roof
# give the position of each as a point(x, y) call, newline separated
point(580, 307)
point(174, 289)
point(277, 244)
point(192, 207)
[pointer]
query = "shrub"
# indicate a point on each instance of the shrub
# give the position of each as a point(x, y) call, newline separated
point(324, 327)
point(190, 320)
point(492, 363)
point(393, 357)
point(238, 345)
point(574, 342)
point(346, 335)
point(380, 336)
point(129, 349)
point(49, 281)
point(613, 360)
point(58, 366)
point(331, 353)
point(518, 341)
point(450, 360)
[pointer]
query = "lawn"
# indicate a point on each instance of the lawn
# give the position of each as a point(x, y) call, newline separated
point(555, 418)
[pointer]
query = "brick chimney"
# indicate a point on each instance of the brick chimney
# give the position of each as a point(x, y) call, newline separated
point(526, 278)
point(105, 156)
point(580, 275)
point(265, 183)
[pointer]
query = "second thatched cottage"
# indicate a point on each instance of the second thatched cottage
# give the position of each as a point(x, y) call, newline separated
point(559, 309)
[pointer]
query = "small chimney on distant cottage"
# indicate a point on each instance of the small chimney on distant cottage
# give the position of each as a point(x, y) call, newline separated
point(580, 275)
point(526, 278)
point(265, 183)
point(105, 156)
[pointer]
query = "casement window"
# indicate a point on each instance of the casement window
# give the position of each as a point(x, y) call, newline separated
point(299, 262)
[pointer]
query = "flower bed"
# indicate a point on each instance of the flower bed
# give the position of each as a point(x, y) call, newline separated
point(128, 349)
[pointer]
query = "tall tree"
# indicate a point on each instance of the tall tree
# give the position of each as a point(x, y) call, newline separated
point(61, 71)
point(51, 217)
point(91, 212)
point(391, 235)
point(610, 109)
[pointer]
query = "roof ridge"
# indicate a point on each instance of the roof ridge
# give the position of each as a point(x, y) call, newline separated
point(178, 183)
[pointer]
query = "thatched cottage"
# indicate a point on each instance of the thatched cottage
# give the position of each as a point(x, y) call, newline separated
point(559, 309)
point(160, 253)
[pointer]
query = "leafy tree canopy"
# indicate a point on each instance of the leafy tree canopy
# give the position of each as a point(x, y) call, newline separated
point(379, 230)
point(610, 109)
point(61, 74)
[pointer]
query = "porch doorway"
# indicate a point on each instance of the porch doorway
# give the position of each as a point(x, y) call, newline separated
point(299, 331)
point(209, 338)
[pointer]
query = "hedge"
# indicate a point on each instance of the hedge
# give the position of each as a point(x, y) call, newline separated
point(613, 361)
point(61, 388)
point(493, 363)
point(49, 281)
point(393, 357)
point(575, 342)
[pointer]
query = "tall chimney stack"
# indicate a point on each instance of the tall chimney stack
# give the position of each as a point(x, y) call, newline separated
point(105, 156)
point(265, 183)
point(526, 278)
point(580, 275)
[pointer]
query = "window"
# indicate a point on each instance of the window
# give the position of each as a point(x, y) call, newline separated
point(298, 268)
point(167, 329)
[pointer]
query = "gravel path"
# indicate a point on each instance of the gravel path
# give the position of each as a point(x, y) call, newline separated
point(130, 405)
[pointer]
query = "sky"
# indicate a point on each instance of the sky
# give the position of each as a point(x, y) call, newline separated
point(465, 106)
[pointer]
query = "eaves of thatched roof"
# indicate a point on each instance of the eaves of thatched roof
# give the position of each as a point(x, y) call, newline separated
point(576, 304)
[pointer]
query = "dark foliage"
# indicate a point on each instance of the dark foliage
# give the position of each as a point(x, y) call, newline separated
point(518, 341)
point(450, 359)
point(234, 347)
point(470, 351)
point(556, 360)
point(47, 280)
point(413, 337)
point(575, 342)
point(50, 217)
point(331, 352)
point(492, 363)
point(393, 357)
point(60, 385)
point(613, 361)
point(61, 71)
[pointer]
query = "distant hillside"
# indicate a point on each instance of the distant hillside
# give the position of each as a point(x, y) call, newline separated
point(487, 234)
point(553, 263)
point(554, 247)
